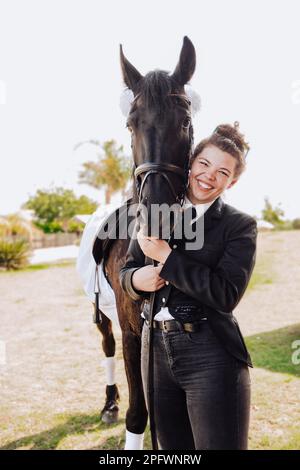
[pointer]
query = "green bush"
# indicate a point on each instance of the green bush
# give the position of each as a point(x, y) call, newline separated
point(50, 227)
point(296, 224)
point(74, 226)
point(284, 225)
point(14, 254)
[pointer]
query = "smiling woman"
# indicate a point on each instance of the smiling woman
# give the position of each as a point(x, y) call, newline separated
point(201, 377)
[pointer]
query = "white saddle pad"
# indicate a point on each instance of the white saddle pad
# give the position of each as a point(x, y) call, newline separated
point(86, 266)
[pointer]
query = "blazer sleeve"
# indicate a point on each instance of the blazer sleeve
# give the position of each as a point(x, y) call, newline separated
point(222, 287)
point(135, 259)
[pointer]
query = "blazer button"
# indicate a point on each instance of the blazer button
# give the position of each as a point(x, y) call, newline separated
point(174, 246)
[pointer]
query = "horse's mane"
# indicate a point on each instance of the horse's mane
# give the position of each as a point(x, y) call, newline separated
point(154, 90)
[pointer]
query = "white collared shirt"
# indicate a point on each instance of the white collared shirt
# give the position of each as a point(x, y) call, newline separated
point(200, 208)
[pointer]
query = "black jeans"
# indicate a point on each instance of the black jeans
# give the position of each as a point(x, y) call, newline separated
point(201, 392)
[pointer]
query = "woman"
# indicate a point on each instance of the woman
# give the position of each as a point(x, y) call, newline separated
point(201, 376)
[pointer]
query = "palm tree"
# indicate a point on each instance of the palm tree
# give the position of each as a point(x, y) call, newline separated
point(112, 170)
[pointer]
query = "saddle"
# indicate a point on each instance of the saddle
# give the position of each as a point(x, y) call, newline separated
point(114, 227)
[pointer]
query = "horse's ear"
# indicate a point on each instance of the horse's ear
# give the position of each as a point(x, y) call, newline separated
point(131, 75)
point(187, 63)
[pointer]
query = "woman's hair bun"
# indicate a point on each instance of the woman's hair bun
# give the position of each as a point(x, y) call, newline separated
point(227, 138)
point(227, 131)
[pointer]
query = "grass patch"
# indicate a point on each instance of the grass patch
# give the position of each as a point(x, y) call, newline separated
point(290, 441)
point(118, 442)
point(66, 427)
point(41, 266)
point(273, 350)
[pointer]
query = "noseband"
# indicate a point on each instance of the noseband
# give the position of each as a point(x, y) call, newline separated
point(162, 169)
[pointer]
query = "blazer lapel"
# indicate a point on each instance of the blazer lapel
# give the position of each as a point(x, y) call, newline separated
point(213, 213)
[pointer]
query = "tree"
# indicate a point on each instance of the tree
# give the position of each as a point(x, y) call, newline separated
point(272, 214)
point(111, 171)
point(54, 208)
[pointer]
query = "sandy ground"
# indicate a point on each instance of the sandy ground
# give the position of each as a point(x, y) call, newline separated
point(53, 355)
point(274, 305)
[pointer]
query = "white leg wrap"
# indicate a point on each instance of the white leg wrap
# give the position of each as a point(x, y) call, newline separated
point(109, 363)
point(134, 441)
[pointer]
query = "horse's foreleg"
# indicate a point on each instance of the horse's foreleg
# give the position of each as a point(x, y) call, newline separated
point(136, 416)
point(110, 412)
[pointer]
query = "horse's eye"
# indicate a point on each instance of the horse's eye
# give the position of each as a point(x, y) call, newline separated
point(186, 123)
point(129, 128)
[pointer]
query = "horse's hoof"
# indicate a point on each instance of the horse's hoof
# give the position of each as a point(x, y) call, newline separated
point(110, 412)
point(109, 416)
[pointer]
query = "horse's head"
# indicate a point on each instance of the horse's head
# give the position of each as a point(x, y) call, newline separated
point(161, 130)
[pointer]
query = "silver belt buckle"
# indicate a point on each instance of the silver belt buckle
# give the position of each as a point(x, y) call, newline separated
point(164, 322)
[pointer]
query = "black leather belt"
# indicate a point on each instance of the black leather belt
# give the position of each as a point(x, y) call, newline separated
point(174, 325)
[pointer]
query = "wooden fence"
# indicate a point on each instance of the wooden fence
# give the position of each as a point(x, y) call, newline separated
point(55, 239)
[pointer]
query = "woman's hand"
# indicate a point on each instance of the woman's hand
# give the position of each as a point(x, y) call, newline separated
point(156, 249)
point(147, 278)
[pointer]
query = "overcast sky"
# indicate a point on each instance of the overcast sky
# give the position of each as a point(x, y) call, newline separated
point(60, 84)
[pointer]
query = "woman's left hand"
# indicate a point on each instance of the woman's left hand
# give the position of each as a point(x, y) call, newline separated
point(156, 249)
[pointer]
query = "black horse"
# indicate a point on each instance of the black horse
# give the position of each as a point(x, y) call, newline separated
point(161, 139)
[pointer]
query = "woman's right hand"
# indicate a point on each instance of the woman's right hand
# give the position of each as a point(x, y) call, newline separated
point(147, 278)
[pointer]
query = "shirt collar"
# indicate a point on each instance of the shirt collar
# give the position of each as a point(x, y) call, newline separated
point(200, 208)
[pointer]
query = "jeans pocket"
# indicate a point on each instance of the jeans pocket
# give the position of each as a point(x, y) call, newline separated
point(202, 336)
point(243, 374)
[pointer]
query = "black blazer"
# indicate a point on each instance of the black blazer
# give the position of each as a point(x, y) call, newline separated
point(214, 277)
